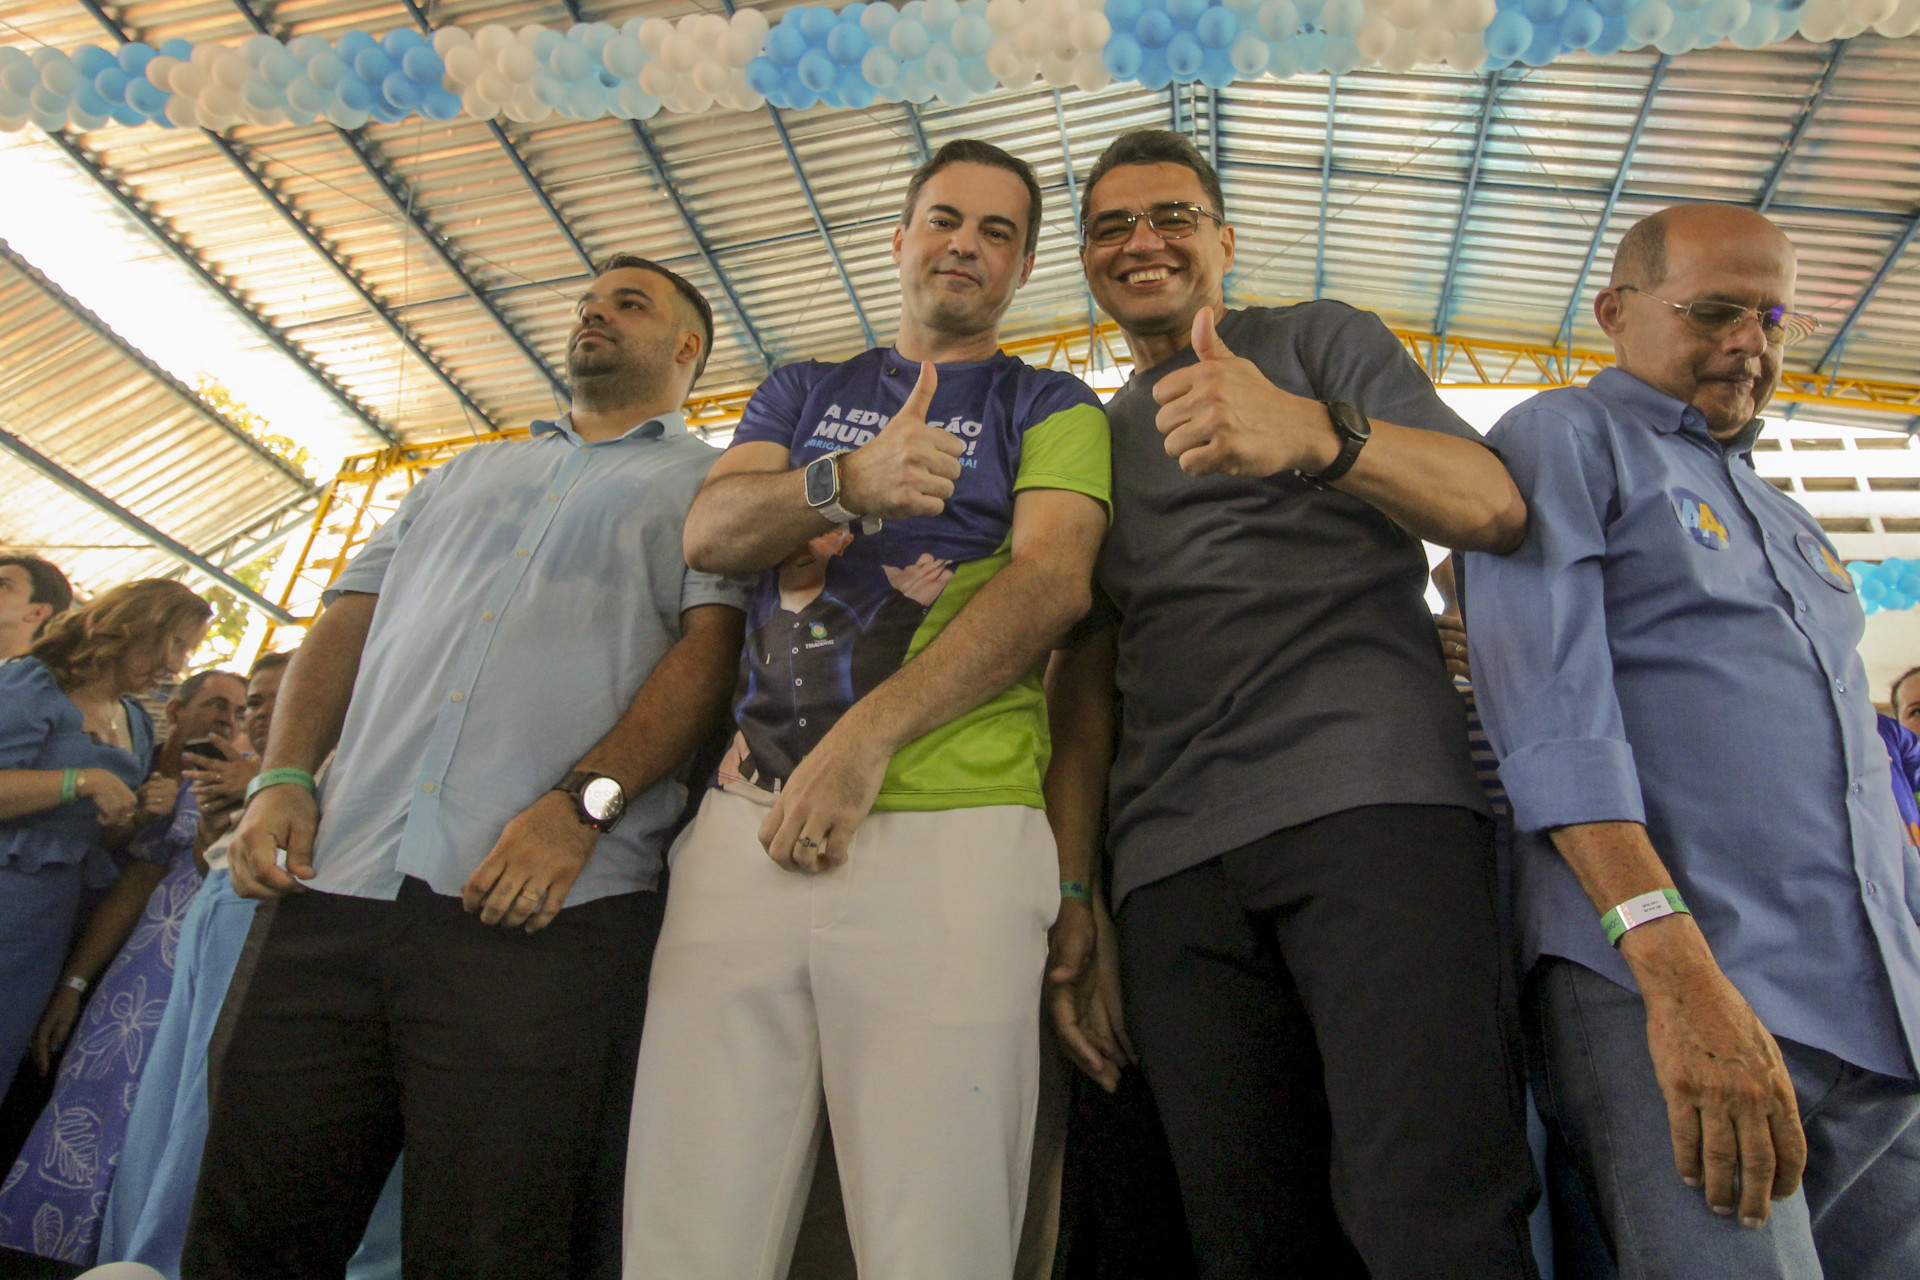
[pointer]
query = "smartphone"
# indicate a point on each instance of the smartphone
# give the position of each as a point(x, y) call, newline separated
point(204, 748)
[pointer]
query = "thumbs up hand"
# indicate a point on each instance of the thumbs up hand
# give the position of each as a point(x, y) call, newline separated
point(908, 469)
point(1221, 416)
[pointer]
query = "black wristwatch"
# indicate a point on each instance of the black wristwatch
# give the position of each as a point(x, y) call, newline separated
point(1354, 431)
point(597, 799)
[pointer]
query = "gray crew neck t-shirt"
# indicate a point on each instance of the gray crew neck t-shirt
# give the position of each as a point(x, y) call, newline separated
point(1277, 659)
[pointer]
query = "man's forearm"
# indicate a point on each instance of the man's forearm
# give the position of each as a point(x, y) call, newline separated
point(318, 686)
point(749, 521)
point(1616, 861)
point(997, 637)
point(1080, 718)
point(1447, 490)
point(681, 703)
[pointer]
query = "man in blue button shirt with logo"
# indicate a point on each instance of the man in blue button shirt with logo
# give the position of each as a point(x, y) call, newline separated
point(516, 668)
point(1667, 668)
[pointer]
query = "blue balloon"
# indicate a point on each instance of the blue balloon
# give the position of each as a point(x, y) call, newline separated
point(262, 96)
point(1541, 12)
point(1186, 13)
point(397, 41)
point(440, 104)
point(1154, 29)
point(90, 60)
point(112, 83)
point(847, 43)
point(125, 114)
point(1581, 25)
point(817, 23)
point(177, 48)
point(791, 18)
point(1184, 56)
point(133, 58)
point(1216, 69)
point(1545, 47)
point(372, 65)
point(855, 93)
point(1612, 37)
point(1154, 72)
point(817, 71)
point(1122, 56)
point(355, 93)
point(942, 65)
point(914, 85)
point(1217, 28)
point(570, 63)
point(388, 115)
point(87, 101)
point(1508, 35)
point(143, 94)
point(400, 91)
point(545, 41)
point(1122, 14)
point(584, 101)
point(304, 95)
point(785, 44)
point(423, 65)
point(978, 76)
point(763, 76)
point(548, 89)
point(1615, 8)
point(351, 45)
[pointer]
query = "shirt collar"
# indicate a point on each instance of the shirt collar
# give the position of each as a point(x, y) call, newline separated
point(663, 427)
point(1664, 413)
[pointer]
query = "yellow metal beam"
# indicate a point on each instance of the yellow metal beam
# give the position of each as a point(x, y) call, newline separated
point(370, 485)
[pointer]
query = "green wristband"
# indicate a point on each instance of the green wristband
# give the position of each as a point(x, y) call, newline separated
point(69, 786)
point(279, 777)
point(1074, 889)
point(1635, 912)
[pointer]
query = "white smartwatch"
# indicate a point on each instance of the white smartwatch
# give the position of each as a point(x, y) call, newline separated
point(822, 487)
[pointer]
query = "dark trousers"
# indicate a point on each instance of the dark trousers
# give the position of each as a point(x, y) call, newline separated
point(1328, 1023)
point(501, 1061)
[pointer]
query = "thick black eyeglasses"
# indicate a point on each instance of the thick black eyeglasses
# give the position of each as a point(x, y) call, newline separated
point(1170, 220)
point(1777, 324)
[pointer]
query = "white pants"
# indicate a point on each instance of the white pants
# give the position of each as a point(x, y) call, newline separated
point(902, 985)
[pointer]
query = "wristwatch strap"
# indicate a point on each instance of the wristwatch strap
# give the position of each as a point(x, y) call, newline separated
point(1354, 432)
point(831, 508)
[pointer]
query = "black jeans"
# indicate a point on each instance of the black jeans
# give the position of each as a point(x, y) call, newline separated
point(1328, 1022)
point(502, 1062)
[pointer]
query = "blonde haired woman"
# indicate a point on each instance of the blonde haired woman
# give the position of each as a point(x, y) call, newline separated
point(74, 746)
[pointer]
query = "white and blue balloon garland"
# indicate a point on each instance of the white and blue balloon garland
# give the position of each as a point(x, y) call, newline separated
point(949, 50)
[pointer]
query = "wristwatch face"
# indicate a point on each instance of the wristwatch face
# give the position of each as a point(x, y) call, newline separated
point(603, 799)
point(823, 481)
point(1349, 421)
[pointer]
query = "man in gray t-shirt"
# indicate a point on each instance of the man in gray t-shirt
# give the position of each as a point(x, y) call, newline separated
point(1301, 873)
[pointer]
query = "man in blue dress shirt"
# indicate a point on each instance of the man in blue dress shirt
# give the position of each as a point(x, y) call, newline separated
point(1667, 668)
point(516, 668)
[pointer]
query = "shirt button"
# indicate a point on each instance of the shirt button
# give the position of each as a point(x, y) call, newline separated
point(796, 651)
point(1801, 605)
point(803, 722)
point(1856, 788)
point(459, 696)
point(487, 616)
point(1873, 890)
point(522, 553)
point(797, 683)
point(427, 787)
point(553, 497)
point(1841, 685)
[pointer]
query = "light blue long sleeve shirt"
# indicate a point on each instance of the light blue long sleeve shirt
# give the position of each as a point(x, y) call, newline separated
point(1675, 644)
point(527, 589)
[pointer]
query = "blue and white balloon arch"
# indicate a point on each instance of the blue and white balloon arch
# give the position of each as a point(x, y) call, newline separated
point(947, 50)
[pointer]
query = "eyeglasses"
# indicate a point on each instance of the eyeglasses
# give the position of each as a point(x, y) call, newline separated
point(1777, 324)
point(1170, 220)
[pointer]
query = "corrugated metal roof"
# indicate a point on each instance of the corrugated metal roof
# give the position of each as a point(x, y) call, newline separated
point(1716, 128)
point(71, 392)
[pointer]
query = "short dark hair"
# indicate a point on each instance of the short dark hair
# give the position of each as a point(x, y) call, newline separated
point(190, 688)
point(1155, 146)
point(974, 151)
point(50, 586)
point(702, 310)
point(1641, 257)
point(1893, 690)
point(267, 662)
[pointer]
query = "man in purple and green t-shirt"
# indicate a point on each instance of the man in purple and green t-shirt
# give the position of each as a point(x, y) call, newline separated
point(859, 914)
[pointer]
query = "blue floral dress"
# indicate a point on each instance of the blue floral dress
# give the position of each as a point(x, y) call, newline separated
point(53, 1197)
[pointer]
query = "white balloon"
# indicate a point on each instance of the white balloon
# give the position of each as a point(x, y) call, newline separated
point(752, 22)
point(1849, 28)
point(13, 124)
point(447, 39)
point(518, 63)
point(1402, 55)
point(158, 69)
point(1375, 37)
point(480, 108)
point(653, 34)
point(180, 111)
point(1469, 51)
point(1409, 15)
point(1343, 18)
point(203, 56)
point(690, 100)
point(258, 46)
point(347, 117)
point(1903, 22)
point(232, 72)
point(681, 51)
point(1871, 12)
point(1005, 16)
point(637, 102)
point(1433, 42)
point(741, 45)
point(188, 81)
point(1090, 72)
point(465, 64)
point(1722, 18)
point(82, 120)
point(1060, 12)
point(1056, 71)
point(494, 87)
point(1089, 31)
point(1003, 59)
point(1649, 22)
point(710, 29)
point(712, 78)
point(1471, 15)
point(1818, 22)
point(658, 79)
point(1034, 38)
point(491, 39)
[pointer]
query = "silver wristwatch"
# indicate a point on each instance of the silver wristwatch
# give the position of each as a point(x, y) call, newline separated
point(822, 481)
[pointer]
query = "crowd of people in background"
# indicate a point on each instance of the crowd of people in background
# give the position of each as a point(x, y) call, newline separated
point(690, 865)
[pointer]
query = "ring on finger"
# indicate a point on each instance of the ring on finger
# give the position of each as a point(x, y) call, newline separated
point(531, 897)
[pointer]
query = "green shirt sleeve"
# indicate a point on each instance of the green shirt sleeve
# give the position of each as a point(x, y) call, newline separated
point(1069, 450)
